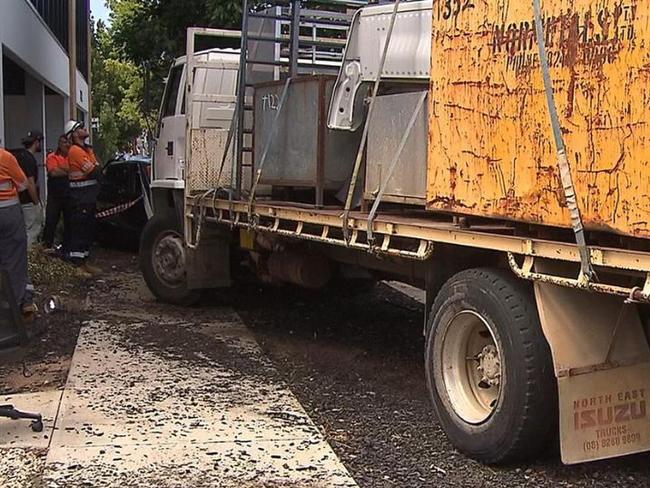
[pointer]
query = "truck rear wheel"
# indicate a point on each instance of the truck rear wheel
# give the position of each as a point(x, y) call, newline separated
point(162, 261)
point(489, 369)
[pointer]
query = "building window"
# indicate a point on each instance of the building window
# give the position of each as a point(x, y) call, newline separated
point(83, 18)
point(55, 15)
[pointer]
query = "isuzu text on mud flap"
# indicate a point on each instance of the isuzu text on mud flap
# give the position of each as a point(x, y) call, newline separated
point(610, 415)
point(605, 410)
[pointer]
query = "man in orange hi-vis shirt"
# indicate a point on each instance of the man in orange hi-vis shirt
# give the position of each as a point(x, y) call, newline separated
point(58, 188)
point(13, 234)
point(83, 171)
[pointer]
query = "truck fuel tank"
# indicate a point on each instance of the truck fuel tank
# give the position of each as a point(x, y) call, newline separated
point(301, 268)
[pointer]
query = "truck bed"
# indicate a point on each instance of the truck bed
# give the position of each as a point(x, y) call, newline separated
point(414, 234)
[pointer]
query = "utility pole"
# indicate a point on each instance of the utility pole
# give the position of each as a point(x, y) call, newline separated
point(72, 54)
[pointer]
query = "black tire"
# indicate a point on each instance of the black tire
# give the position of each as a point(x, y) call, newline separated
point(524, 417)
point(175, 293)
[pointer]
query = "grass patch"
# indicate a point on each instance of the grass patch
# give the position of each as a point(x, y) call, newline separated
point(49, 271)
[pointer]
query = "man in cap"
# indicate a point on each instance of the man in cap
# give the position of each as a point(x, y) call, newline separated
point(32, 210)
point(13, 238)
point(83, 171)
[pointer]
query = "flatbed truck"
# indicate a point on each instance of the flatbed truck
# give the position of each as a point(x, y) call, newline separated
point(477, 160)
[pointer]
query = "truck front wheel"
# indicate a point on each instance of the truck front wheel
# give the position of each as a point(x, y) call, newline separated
point(163, 259)
point(489, 369)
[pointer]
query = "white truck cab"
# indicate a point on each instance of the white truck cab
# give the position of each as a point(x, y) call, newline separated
point(164, 258)
point(217, 112)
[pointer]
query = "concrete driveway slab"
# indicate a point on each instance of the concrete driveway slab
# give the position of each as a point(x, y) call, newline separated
point(207, 406)
point(229, 464)
point(17, 433)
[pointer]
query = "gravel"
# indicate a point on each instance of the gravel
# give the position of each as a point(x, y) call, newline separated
point(44, 362)
point(22, 467)
point(355, 363)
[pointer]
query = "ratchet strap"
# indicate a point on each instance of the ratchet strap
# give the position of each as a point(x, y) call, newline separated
point(366, 127)
point(586, 269)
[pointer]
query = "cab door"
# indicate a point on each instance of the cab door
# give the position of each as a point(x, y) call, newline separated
point(169, 154)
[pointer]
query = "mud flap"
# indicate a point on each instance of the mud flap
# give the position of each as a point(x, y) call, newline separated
point(602, 362)
point(208, 266)
point(604, 414)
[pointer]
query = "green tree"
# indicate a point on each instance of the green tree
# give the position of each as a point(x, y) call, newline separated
point(132, 58)
point(150, 30)
point(117, 93)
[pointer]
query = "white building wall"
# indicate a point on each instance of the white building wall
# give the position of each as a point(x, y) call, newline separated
point(55, 116)
point(82, 92)
point(23, 32)
point(25, 38)
point(23, 113)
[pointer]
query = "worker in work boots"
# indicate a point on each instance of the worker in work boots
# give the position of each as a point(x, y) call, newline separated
point(83, 171)
point(13, 236)
point(58, 189)
point(32, 208)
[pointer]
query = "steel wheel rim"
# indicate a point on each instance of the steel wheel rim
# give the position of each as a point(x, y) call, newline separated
point(168, 259)
point(472, 367)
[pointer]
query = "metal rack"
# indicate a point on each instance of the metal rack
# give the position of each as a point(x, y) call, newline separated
point(309, 37)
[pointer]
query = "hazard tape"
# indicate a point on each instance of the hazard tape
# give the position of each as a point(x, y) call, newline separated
point(117, 210)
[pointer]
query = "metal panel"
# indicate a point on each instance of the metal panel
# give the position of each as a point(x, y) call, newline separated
point(408, 57)
point(409, 53)
point(208, 146)
point(392, 114)
point(216, 77)
point(302, 145)
point(489, 99)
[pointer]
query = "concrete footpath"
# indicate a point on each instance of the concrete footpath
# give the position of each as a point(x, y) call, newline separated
point(169, 404)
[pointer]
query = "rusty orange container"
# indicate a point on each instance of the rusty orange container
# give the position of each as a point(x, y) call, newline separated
point(491, 146)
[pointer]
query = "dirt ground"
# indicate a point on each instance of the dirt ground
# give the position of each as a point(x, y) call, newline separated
point(354, 362)
point(44, 363)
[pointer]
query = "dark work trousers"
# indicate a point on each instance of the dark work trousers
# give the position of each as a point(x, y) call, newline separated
point(57, 207)
point(83, 205)
point(13, 253)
